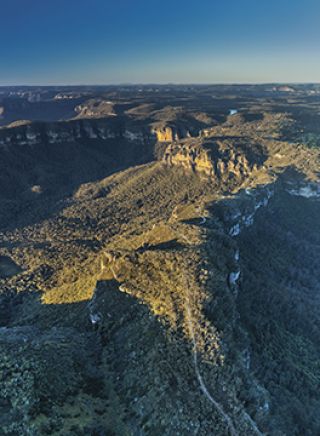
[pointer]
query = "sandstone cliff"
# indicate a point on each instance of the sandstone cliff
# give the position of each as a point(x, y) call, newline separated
point(165, 134)
point(173, 133)
point(216, 159)
point(73, 131)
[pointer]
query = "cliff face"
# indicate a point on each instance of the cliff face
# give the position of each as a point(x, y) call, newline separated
point(174, 132)
point(218, 159)
point(98, 120)
point(39, 161)
point(72, 131)
point(164, 134)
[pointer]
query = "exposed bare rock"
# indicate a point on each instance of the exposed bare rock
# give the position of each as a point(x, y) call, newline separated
point(216, 159)
point(165, 134)
point(26, 133)
point(95, 108)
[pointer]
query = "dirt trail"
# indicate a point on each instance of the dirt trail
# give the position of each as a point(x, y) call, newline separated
point(202, 384)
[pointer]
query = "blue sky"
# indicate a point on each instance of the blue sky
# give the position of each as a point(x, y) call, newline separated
point(143, 41)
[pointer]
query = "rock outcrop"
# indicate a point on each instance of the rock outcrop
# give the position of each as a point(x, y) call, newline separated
point(169, 133)
point(95, 108)
point(216, 159)
point(307, 190)
point(165, 134)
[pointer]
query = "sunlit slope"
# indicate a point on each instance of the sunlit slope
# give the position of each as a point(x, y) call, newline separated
point(149, 269)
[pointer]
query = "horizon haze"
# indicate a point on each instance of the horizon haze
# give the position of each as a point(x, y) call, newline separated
point(152, 42)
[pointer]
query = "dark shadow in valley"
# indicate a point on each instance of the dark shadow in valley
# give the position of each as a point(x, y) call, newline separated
point(278, 302)
point(174, 244)
point(44, 176)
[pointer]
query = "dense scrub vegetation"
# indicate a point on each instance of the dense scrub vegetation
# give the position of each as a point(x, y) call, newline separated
point(279, 306)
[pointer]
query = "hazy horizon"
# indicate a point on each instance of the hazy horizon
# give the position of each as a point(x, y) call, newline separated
point(117, 84)
point(74, 43)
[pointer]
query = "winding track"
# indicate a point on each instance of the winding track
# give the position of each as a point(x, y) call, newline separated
point(203, 387)
point(202, 384)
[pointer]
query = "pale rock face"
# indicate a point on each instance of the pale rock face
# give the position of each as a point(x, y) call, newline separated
point(235, 230)
point(36, 189)
point(307, 191)
point(65, 137)
point(23, 141)
point(234, 277)
point(110, 135)
point(248, 220)
point(133, 136)
point(102, 133)
point(61, 132)
point(236, 215)
point(77, 132)
point(266, 407)
point(55, 136)
point(94, 318)
point(262, 203)
point(270, 193)
point(90, 132)
point(52, 136)
point(32, 137)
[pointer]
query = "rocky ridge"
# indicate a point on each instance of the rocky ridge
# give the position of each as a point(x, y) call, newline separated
point(215, 159)
point(72, 131)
